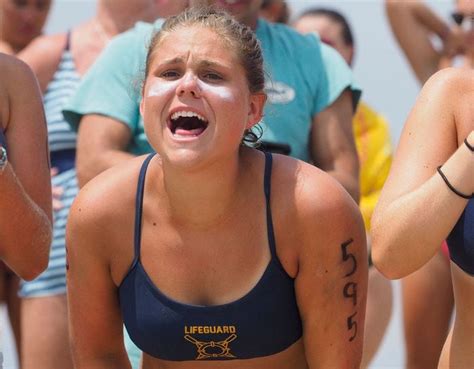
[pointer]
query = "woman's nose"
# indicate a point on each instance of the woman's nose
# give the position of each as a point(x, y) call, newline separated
point(189, 85)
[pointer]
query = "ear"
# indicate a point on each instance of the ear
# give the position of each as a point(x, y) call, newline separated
point(256, 105)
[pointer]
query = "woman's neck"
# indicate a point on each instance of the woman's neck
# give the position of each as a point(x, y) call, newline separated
point(204, 198)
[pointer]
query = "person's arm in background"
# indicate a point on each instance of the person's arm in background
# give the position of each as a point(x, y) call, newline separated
point(25, 195)
point(105, 108)
point(332, 144)
point(43, 55)
point(417, 210)
point(413, 23)
point(102, 142)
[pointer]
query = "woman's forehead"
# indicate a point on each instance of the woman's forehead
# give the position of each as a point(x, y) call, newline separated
point(196, 40)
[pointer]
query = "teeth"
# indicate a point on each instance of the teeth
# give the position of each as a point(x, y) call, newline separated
point(186, 114)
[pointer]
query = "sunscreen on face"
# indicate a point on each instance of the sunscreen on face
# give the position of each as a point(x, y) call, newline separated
point(223, 92)
point(160, 88)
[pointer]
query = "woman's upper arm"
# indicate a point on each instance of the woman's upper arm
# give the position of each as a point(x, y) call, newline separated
point(427, 140)
point(331, 282)
point(27, 137)
point(94, 312)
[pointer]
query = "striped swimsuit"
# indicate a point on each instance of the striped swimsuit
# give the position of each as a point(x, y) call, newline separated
point(62, 145)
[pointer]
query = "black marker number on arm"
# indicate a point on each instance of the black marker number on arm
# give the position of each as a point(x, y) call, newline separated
point(350, 288)
point(347, 256)
point(352, 325)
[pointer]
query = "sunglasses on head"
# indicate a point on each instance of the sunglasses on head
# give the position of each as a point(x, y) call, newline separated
point(459, 18)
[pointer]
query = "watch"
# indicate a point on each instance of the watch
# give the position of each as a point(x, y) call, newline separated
point(3, 158)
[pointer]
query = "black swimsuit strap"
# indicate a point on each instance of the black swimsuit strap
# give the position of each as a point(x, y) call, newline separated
point(267, 179)
point(3, 141)
point(141, 190)
point(139, 206)
point(67, 47)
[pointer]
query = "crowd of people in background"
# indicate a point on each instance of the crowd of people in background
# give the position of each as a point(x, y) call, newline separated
point(191, 181)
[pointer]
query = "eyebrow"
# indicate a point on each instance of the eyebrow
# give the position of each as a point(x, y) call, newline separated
point(202, 63)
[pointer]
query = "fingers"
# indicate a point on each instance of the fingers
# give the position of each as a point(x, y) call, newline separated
point(57, 192)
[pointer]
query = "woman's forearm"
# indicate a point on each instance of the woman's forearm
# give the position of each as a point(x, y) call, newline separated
point(25, 229)
point(409, 230)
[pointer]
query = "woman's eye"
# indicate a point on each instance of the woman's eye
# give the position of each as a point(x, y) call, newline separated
point(169, 74)
point(20, 3)
point(210, 76)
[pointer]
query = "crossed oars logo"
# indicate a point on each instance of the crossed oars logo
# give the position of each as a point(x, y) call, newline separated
point(212, 349)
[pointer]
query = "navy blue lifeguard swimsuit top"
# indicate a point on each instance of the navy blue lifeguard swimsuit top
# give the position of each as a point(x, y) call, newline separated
point(263, 322)
point(3, 141)
point(461, 240)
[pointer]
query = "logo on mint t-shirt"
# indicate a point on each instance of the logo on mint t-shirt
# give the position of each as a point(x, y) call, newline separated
point(279, 92)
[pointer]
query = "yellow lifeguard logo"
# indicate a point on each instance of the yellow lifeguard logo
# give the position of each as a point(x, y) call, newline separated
point(211, 349)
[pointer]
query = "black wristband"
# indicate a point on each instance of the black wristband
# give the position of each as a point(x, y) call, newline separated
point(469, 146)
point(451, 187)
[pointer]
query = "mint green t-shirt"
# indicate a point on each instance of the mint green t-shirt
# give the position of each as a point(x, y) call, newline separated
point(304, 76)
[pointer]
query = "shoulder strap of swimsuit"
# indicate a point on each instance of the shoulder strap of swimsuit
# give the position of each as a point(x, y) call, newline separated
point(267, 179)
point(3, 141)
point(139, 206)
point(67, 47)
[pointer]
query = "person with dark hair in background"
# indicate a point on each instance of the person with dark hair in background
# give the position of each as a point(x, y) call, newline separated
point(415, 26)
point(214, 254)
point(372, 138)
point(21, 21)
point(275, 11)
point(59, 62)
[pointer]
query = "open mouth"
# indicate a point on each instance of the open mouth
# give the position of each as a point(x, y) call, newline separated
point(187, 124)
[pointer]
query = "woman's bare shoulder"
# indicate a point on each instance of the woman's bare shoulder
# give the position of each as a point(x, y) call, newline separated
point(109, 196)
point(312, 189)
point(451, 81)
point(11, 64)
point(43, 55)
point(16, 81)
point(44, 50)
point(316, 201)
point(452, 89)
point(317, 215)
